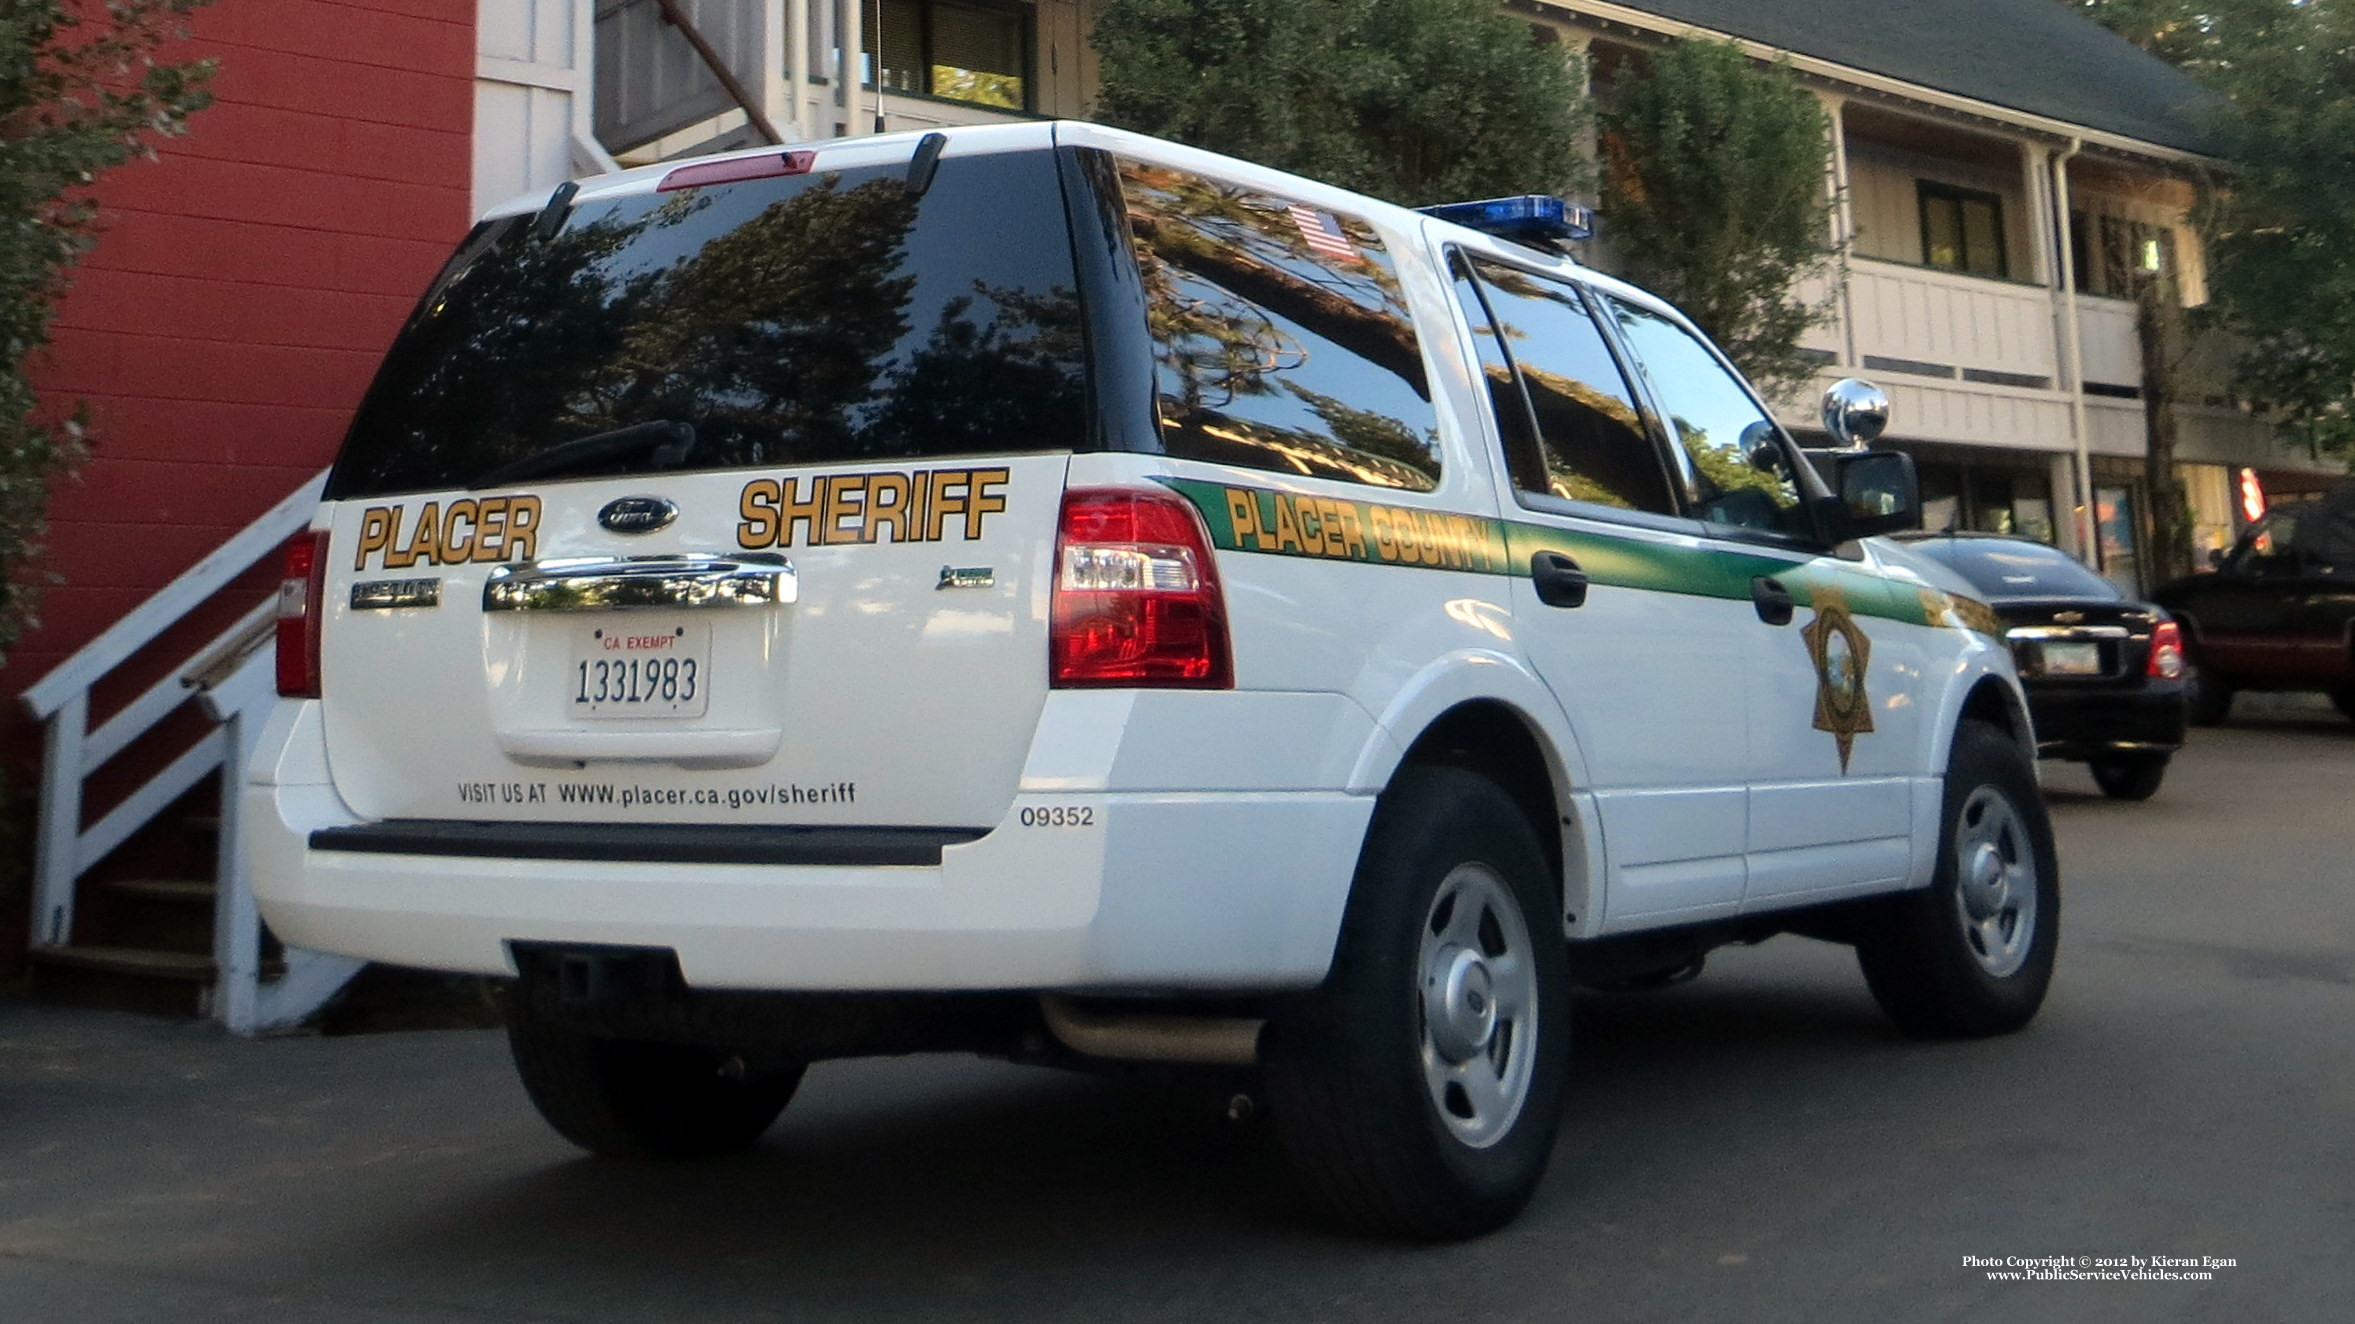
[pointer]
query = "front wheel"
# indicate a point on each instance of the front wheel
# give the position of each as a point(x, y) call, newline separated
point(2129, 777)
point(1972, 954)
point(1418, 1091)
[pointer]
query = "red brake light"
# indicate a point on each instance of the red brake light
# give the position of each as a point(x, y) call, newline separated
point(1137, 598)
point(300, 594)
point(2166, 651)
point(742, 168)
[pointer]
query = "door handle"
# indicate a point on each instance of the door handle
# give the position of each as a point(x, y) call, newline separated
point(1775, 604)
point(1560, 583)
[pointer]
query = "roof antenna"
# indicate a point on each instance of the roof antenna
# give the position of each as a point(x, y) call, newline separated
point(926, 160)
point(551, 217)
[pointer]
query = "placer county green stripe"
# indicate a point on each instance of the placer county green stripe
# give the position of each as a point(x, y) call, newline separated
point(1338, 529)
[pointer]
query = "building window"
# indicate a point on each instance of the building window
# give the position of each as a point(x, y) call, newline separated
point(1962, 230)
point(975, 53)
point(2111, 253)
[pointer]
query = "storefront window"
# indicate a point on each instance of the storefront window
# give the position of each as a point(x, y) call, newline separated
point(2114, 523)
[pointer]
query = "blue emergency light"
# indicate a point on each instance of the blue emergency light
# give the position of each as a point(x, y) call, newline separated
point(1530, 218)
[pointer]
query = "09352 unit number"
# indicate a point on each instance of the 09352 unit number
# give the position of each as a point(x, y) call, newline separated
point(1054, 816)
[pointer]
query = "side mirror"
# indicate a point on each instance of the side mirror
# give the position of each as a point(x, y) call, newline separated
point(2215, 558)
point(1878, 493)
point(1855, 412)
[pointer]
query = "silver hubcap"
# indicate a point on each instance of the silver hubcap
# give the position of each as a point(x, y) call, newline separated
point(1479, 1005)
point(1995, 895)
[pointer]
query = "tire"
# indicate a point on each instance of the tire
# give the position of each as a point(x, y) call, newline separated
point(620, 1098)
point(2207, 700)
point(2344, 700)
point(1417, 1093)
point(1972, 954)
point(2130, 777)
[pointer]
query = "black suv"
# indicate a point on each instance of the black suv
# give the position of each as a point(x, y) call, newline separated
point(2276, 612)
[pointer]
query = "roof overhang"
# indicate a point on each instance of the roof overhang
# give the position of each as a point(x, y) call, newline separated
point(1895, 89)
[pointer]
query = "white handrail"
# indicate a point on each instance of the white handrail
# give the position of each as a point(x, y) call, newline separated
point(160, 612)
point(230, 678)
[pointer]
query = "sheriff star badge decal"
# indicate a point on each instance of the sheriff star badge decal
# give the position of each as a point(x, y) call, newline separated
point(1842, 655)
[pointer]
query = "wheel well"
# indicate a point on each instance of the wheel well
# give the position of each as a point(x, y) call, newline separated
point(1991, 703)
point(1491, 739)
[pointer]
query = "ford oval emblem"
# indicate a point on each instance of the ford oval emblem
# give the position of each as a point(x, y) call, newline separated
point(637, 514)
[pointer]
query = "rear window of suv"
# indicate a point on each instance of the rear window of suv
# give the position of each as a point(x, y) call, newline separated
point(822, 317)
point(2004, 569)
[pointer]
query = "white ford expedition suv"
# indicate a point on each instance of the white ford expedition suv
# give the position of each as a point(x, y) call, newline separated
point(1047, 592)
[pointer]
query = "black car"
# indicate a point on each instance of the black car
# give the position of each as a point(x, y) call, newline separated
point(2278, 613)
point(2105, 675)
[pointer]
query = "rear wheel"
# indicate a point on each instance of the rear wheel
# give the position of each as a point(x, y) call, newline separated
point(621, 1098)
point(1418, 1091)
point(2207, 700)
point(2130, 777)
point(1972, 954)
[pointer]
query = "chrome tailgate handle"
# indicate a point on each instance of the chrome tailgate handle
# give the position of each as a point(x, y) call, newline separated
point(601, 583)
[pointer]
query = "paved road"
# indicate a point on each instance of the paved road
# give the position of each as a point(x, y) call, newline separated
point(1754, 1146)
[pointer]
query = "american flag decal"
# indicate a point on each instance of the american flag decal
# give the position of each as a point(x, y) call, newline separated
point(1323, 233)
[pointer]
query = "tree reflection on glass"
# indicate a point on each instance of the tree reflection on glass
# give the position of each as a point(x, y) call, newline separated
point(786, 321)
point(1273, 352)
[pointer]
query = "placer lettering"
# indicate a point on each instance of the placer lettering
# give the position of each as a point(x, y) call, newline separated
point(469, 529)
point(1354, 531)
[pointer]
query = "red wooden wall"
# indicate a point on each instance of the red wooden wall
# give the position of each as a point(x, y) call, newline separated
point(225, 326)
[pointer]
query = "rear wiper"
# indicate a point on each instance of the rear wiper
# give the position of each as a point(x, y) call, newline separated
point(668, 439)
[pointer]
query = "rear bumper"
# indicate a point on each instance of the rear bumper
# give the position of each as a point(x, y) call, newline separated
point(2085, 722)
point(1225, 890)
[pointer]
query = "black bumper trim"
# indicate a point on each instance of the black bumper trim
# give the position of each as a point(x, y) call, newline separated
point(663, 843)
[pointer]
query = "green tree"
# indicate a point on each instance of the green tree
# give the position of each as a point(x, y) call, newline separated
point(2281, 222)
point(80, 92)
point(1714, 198)
point(1412, 101)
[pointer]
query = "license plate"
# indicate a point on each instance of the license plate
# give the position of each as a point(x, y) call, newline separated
point(2070, 659)
point(650, 669)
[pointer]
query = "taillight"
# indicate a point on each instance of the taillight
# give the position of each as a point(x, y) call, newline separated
point(300, 596)
point(1137, 599)
point(2166, 652)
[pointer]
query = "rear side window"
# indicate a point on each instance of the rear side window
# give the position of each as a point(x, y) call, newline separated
point(1569, 421)
point(820, 317)
point(1281, 339)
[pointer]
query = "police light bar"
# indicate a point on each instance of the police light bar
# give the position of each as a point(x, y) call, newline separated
point(1532, 216)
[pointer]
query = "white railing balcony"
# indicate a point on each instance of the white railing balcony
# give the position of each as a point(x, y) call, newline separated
point(1939, 323)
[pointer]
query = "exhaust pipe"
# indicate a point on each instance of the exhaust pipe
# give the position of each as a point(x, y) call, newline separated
point(1231, 1041)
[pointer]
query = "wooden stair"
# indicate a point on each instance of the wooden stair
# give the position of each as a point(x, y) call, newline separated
point(142, 943)
point(124, 978)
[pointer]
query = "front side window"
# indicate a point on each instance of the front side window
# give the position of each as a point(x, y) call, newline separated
point(1281, 338)
point(973, 53)
point(1962, 230)
point(1569, 422)
point(1741, 470)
